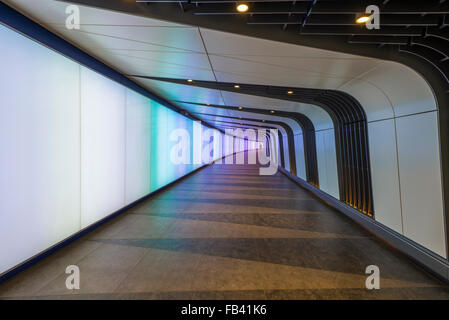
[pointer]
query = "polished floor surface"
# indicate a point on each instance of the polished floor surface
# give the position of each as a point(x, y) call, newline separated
point(227, 233)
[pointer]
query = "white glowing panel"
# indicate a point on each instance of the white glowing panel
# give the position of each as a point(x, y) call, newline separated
point(40, 144)
point(385, 174)
point(286, 154)
point(331, 164)
point(327, 162)
point(420, 180)
point(300, 158)
point(138, 146)
point(103, 146)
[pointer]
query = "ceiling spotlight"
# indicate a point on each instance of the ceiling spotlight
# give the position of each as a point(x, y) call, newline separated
point(271, 111)
point(236, 86)
point(362, 19)
point(240, 108)
point(263, 120)
point(290, 92)
point(189, 80)
point(243, 7)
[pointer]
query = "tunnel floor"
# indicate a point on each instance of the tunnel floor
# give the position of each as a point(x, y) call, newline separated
point(227, 233)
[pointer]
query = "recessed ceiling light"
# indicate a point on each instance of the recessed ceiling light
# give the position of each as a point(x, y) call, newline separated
point(243, 7)
point(271, 111)
point(289, 92)
point(189, 80)
point(362, 19)
point(263, 120)
point(236, 86)
point(240, 108)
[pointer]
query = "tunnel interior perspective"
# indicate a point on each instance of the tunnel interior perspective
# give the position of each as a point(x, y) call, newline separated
point(224, 150)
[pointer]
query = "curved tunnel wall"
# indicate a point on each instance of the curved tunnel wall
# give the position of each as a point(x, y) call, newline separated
point(404, 152)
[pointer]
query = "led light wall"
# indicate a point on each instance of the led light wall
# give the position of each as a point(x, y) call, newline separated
point(75, 147)
point(40, 138)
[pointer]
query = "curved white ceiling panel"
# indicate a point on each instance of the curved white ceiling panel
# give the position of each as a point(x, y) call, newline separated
point(166, 37)
point(375, 102)
point(203, 112)
point(50, 11)
point(248, 124)
point(223, 43)
point(179, 92)
point(319, 117)
point(391, 77)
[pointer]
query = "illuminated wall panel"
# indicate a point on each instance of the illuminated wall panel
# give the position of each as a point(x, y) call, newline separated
point(175, 121)
point(102, 146)
point(327, 162)
point(160, 168)
point(385, 180)
point(300, 158)
point(40, 143)
point(138, 146)
point(208, 145)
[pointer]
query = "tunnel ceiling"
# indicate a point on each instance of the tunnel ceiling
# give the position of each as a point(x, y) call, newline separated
point(411, 31)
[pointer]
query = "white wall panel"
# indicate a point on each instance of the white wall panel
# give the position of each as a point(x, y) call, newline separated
point(40, 143)
point(384, 174)
point(300, 157)
point(327, 162)
point(331, 164)
point(138, 146)
point(103, 146)
point(286, 154)
point(321, 159)
point(420, 178)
